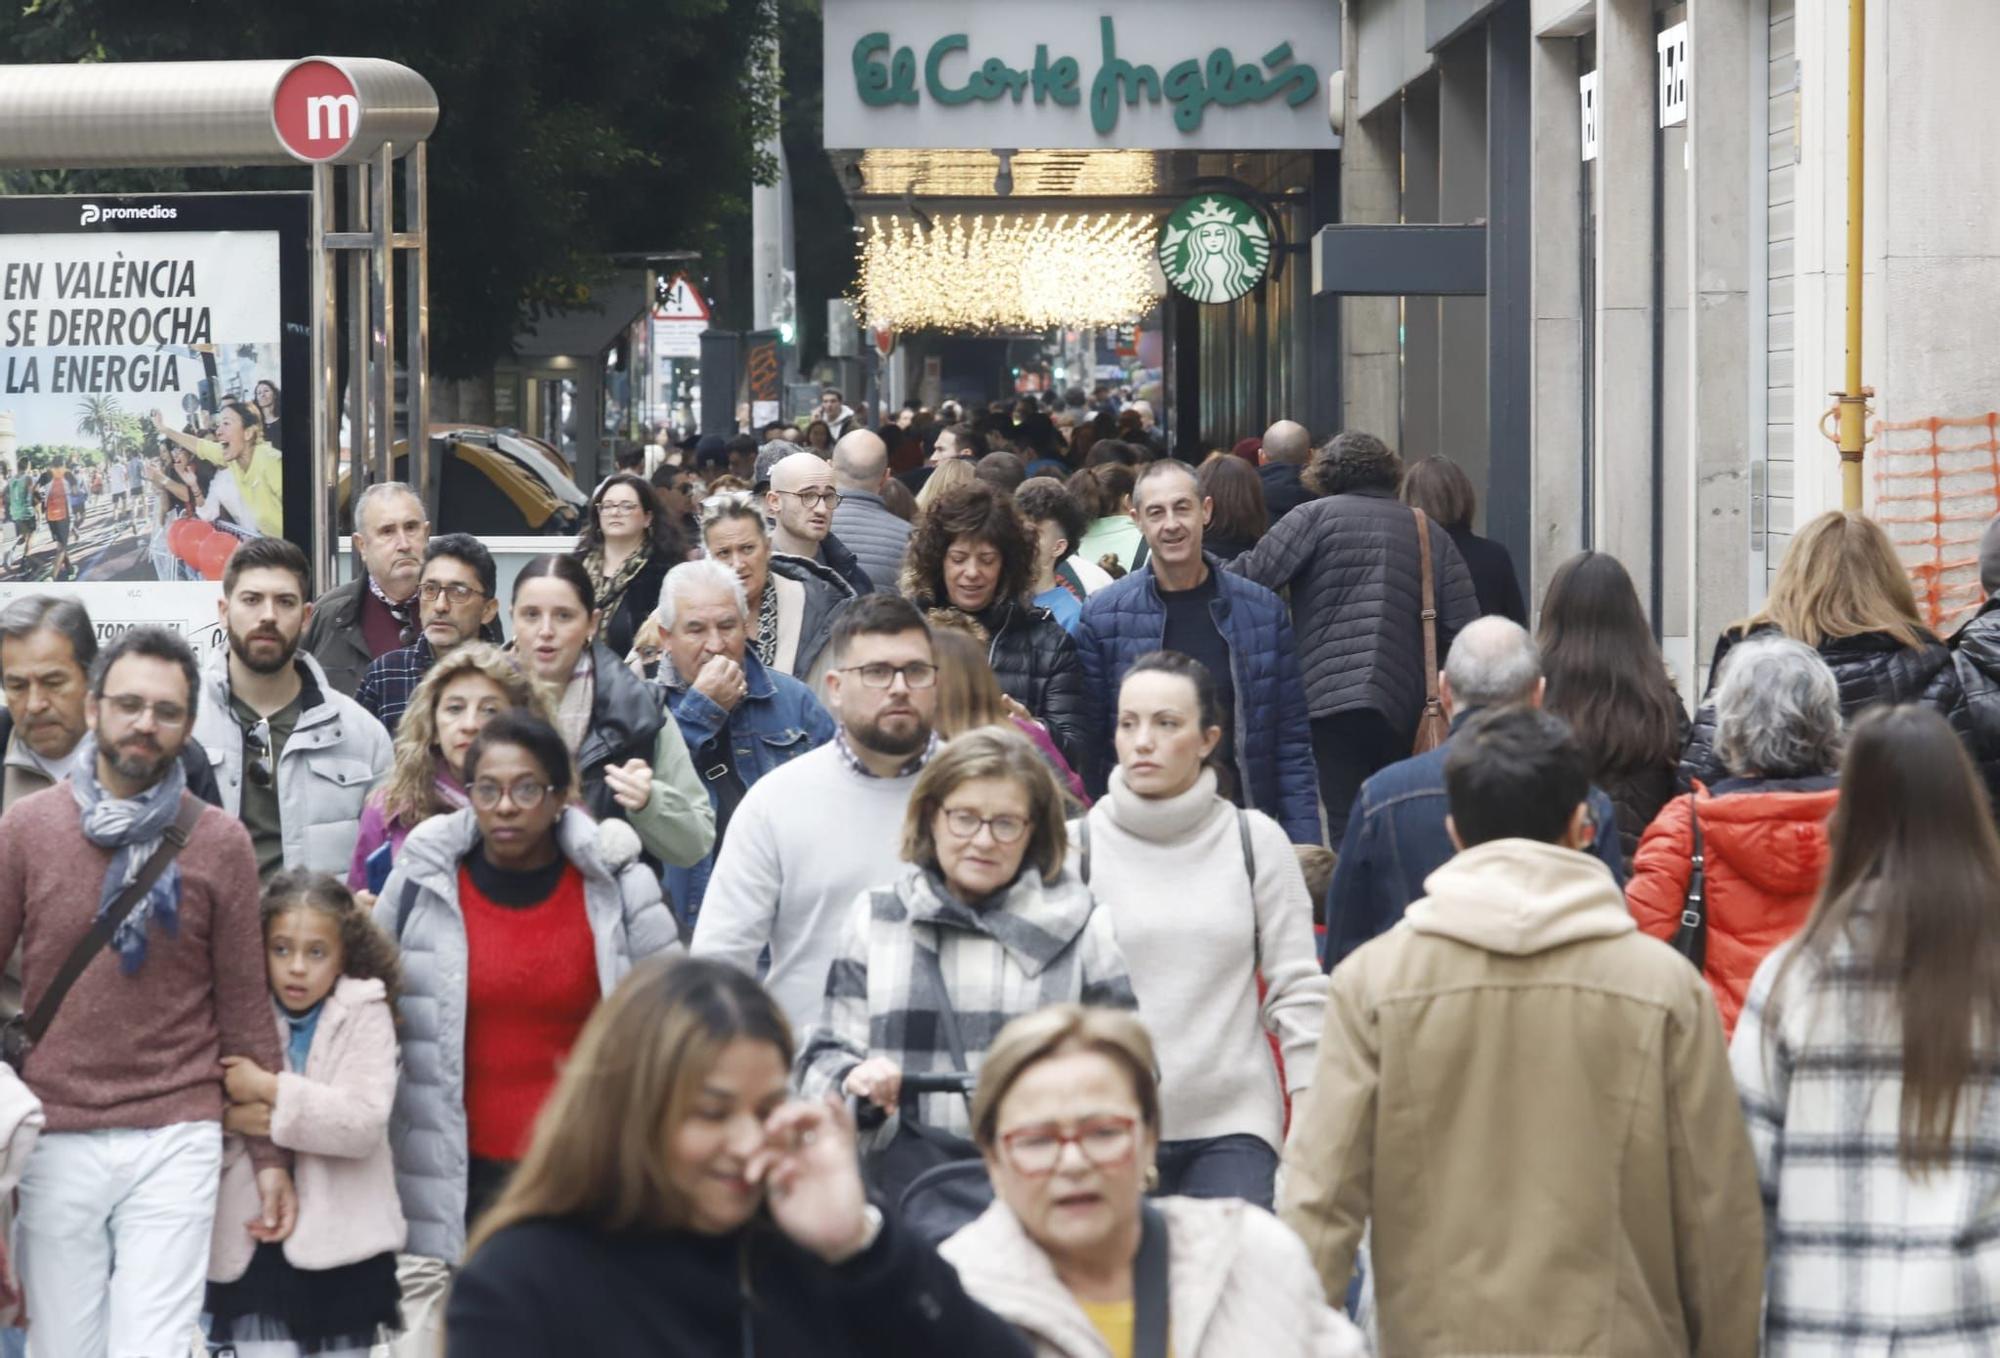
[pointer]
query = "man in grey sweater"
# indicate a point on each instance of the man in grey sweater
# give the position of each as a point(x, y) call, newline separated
point(862, 519)
point(809, 838)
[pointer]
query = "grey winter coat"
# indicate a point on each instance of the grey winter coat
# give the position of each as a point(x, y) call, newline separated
point(1351, 562)
point(427, 1129)
point(876, 536)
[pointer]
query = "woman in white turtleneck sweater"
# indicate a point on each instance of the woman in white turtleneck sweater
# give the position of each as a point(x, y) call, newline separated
point(1204, 897)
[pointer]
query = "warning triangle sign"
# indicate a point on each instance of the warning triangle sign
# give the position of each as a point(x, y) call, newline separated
point(683, 302)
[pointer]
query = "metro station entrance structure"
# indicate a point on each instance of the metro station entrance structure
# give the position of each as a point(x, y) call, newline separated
point(360, 124)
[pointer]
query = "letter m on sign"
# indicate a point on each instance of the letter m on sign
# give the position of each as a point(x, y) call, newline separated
point(332, 117)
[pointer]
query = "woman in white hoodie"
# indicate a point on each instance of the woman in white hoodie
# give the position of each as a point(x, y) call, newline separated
point(1206, 898)
point(1074, 1255)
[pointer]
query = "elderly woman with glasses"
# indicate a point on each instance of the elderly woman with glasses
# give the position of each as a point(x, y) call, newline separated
point(515, 916)
point(792, 599)
point(985, 923)
point(1072, 1252)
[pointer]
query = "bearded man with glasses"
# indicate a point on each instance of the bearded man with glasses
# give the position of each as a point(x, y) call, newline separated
point(810, 837)
point(458, 601)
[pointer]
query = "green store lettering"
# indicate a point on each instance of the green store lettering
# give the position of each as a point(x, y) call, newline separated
point(885, 75)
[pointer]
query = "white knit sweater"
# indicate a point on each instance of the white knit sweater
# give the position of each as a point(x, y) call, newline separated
point(1194, 933)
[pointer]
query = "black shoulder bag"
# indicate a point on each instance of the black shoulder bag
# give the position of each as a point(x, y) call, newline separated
point(19, 1034)
point(1149, 1285)
point(1691, 940)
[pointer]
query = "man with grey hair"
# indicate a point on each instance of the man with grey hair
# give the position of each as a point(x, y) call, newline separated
point(739, 719)
point(1286, 449)
point(1397, 836)
point(47, 646)
point(799, 507)
point(355, 624)
point(1778, 731)
point(863, 518)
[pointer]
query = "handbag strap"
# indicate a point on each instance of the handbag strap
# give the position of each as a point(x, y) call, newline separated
point(93, 942)
point(1149, 1286)
point(1694, 908)
point(1430, 613)
point(947, 1016)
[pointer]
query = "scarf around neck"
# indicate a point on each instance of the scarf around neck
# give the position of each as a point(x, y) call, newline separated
point(610, 590)
point(404, 613)
point(578, 697)
point(132, 828)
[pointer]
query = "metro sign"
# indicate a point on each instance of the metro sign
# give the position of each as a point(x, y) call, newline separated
point(316, 111)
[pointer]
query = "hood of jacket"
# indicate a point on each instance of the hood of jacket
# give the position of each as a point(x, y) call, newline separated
point(810, 573)
point(1771, 832)
point(1521, 897)
point(1032, 919)
point(431, 855)
point(1979, 640)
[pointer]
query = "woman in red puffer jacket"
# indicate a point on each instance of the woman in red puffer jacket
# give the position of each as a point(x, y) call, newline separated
point(1763, 827)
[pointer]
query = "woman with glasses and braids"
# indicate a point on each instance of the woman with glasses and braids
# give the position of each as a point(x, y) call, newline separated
point(1076, 1254)
point(984, 924)
point(514, 915)
point(627, 546)
point(792, 599)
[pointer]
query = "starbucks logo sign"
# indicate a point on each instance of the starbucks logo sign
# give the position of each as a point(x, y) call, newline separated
point(1214, 248)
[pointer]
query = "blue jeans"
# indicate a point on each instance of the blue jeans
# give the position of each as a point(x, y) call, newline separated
point(1234, 1166)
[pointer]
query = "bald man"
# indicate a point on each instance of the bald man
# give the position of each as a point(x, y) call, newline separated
point(800, 506)
point(863, 519)
point(1287, 449)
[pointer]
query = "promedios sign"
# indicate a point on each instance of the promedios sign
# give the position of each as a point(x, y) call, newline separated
point(1052, 75)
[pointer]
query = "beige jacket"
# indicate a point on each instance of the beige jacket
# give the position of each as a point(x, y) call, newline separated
point(1532, 1102)
point(1239, 1286)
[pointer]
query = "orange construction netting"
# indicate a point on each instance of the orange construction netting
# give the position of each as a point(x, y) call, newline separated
point(1937, 485)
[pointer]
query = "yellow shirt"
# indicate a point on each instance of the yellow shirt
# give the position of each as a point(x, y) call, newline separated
point(1113, 1321)
point(262, 483)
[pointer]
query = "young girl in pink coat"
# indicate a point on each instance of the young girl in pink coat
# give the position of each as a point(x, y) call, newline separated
point(329, 1287)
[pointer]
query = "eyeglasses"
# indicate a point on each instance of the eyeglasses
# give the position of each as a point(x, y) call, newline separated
point(525, 793)
point(131, 706)
point(459, 594)
point(965, 824)
point(618, 506)
point(1106, 1142)
point(811, 498)
point(917, 674)
point(257, 752)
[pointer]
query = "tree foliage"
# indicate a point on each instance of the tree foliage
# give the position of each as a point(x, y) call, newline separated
point(570, 132)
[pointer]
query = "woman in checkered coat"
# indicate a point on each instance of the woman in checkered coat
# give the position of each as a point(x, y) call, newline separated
point(985, 924)
point(1868, 1058)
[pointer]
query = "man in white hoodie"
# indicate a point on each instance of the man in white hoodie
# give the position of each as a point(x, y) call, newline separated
point(1529, 1099)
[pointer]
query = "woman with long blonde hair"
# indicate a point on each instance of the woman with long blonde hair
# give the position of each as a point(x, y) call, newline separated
point(462, 689)
point(676, 1198)
point(1843, 591)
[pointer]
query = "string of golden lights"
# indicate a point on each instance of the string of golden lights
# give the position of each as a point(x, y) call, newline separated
point(984, 273)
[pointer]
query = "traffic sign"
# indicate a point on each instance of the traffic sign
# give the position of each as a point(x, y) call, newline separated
point(316, 111)
point(678, 320)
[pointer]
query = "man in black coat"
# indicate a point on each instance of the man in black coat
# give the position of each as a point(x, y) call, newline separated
point(1287, 448)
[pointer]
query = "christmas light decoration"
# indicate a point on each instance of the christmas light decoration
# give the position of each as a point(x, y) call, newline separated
point(999, 272)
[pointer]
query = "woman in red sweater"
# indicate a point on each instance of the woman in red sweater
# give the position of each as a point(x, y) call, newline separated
point(1763, 828)
point(515, 916)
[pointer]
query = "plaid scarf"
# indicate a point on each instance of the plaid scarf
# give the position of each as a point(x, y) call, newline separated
point(405, 613)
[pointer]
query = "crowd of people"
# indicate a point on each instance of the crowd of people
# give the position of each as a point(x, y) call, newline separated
point(1090, 903)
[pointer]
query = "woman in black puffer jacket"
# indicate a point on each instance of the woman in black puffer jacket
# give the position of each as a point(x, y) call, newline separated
point(1841, 590)
point(972, 552)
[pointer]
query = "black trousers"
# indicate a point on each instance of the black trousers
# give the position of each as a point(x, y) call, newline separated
point(1348, 747)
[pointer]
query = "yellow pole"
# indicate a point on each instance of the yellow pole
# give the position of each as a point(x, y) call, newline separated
point(1853, 429)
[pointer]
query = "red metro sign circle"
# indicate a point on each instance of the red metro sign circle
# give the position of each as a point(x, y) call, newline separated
point(316, 111)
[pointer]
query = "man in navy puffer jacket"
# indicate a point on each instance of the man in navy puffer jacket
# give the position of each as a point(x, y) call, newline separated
point(1182, 600)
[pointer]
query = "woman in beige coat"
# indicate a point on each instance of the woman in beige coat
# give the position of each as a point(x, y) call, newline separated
point(1067, 1115)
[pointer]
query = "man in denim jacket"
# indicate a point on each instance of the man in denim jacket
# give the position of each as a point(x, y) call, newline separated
point(740, 720)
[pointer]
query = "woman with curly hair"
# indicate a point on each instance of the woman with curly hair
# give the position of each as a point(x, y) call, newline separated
point(463, 689)
point(973, 553)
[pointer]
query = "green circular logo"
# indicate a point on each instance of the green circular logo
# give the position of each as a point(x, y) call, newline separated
point(1214, 248)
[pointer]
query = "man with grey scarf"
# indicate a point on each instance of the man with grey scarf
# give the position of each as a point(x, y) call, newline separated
point(118, 1200)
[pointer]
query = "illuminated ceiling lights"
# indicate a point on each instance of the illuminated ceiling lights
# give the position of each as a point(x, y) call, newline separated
point(1001, 272)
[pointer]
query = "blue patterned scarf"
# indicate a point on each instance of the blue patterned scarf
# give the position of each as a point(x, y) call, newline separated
point(132, 828)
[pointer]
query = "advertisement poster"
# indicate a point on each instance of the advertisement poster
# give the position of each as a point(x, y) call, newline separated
point(154, 389)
